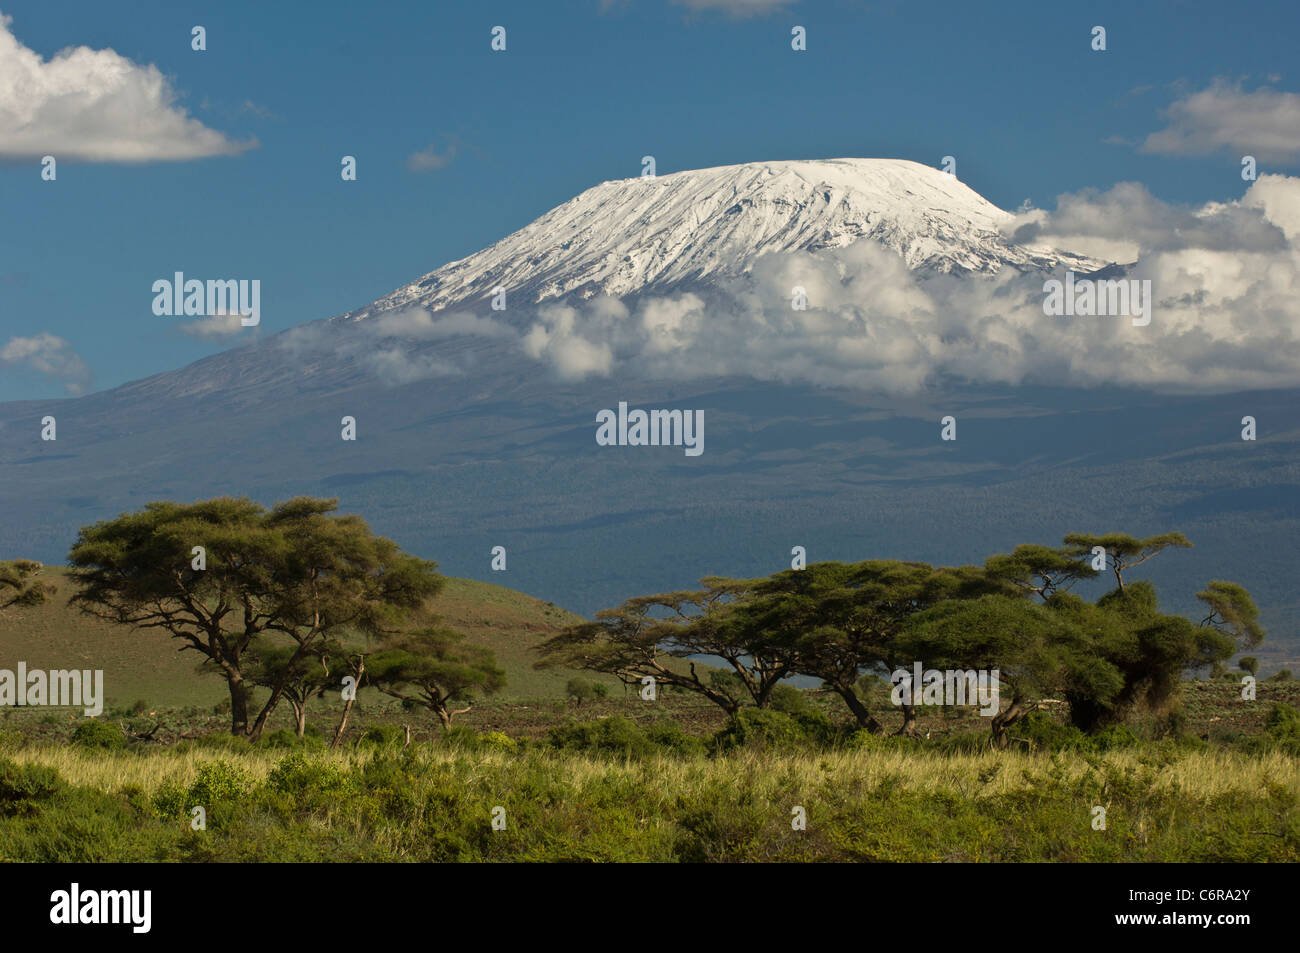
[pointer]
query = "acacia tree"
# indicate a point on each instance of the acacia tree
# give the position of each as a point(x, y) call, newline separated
point(1041, 570)
point(220, 573)
point(655, 636)
point(435, 668)
point(299, 677)
point(19, 585)
point(840, 620)
point(1123, 552)
point(1232, 611)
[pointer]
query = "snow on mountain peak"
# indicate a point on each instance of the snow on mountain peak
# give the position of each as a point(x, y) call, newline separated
point(627, 236)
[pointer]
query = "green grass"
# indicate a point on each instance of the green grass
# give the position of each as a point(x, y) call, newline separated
point(435, 802)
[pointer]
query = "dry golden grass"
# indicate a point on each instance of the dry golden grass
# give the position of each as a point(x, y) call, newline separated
point(1201, 775)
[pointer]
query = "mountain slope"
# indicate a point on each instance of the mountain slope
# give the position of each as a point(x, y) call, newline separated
point(631, 235)
point(145, 663)
point(498, 451)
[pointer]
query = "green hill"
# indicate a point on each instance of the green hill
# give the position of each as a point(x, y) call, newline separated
point(146, 664)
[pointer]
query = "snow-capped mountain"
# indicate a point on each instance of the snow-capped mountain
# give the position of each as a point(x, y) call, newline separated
point(631, 235)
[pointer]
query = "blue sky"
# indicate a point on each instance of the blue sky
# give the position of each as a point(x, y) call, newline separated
point(583, 91)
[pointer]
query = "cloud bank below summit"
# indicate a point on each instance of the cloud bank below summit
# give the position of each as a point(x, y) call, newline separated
point(1225, 279)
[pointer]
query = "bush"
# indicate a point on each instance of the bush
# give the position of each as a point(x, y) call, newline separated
point(1044, 732)
point(760, 728)
point(218, 781)
point(307, 780)
point(579, 689)
point(384, 736)
point(139, 708)
point(467, 739)
point(98, 734)
point(1112, 737)
point(613, 735)
point(669, 736)
point(23, 787)
point(1282, 721)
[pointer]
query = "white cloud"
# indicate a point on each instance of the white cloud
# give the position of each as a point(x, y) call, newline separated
point(1225, 278)
point(572, 356)
point(419, 324)
point(392, 365)
point(97, 106)
point(49, 355)
point(1225, 281)
point(1264, 123)
point(394, 347)
point(428, 159)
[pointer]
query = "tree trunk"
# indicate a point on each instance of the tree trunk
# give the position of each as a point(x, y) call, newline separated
point(277, 693)
point(238, 704)
point(909, 729)
point(1005, 719)
point(347, 708)
point(860, 711)
point(299, 716)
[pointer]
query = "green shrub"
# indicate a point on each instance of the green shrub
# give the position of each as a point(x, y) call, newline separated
point(613, 735)
point(760, 728)
point(1112, 737)
point(307, 779)
point(789, 700)
point(668, 735)
point(1282, 721)
point(170, 800)
point(384, 736)
point(24, 786)
point(98, 734)
point(578, 689)
point(1047, 734)
point(218, 781)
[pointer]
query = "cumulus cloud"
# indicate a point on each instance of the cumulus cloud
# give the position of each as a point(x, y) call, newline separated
point(395, 347)
point(1264, 123)
point(395, 366)
point(97, 106)
point(419, 324)
point(49, 355)
point(1225, 279)
point(573, 356)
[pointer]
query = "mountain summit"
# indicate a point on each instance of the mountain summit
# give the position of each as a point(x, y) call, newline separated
point(631, 235)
